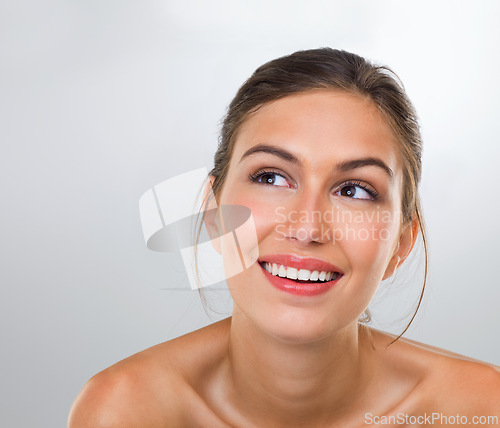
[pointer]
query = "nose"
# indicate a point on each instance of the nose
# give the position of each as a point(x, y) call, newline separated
point(305, 222)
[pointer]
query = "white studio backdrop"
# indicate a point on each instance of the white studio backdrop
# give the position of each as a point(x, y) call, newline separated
point(100, 101)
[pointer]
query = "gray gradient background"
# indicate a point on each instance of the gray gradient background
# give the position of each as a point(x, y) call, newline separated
point(101, 100)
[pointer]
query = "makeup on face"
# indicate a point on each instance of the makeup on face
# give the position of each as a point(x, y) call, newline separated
point(302, 276)
point(308, 166)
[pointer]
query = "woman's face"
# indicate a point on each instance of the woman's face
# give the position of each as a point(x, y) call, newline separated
point(300, 165)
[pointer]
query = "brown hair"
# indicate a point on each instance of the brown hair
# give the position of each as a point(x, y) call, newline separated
point(328, 68)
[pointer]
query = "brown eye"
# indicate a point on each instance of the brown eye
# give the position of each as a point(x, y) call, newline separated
point(348, 191)
point(357, 191)
point(270, 178)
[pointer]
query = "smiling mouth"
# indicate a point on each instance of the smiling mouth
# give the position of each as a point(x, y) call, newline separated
point(301, 276)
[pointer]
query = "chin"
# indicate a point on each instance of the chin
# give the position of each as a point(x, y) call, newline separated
point(289, 318)
point(299, 325)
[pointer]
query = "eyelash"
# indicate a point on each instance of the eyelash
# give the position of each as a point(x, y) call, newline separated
point(257, 175)
point(356, 183)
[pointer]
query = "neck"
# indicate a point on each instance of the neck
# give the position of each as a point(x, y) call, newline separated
point(282, 381)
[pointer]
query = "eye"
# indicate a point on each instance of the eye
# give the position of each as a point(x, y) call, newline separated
point(357, 190)
point(271, 178)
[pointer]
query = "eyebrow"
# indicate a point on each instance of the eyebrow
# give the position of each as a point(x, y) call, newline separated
point(342, 166)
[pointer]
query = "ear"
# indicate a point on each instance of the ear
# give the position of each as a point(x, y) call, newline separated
point(211, 220)
point(406, 242)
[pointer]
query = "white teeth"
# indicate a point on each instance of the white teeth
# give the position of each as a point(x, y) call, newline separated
point(300, 274)
point(304, 274)
point(275, 269)
point(291, 273)
point(282, 271)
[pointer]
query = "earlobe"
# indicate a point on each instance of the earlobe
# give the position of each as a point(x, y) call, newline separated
point(403, 249)
point(208, 194)
point(407, 240)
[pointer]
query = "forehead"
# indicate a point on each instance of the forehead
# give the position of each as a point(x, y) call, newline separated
point(320, 126)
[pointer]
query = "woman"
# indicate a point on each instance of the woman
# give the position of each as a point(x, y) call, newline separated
point(314, 133)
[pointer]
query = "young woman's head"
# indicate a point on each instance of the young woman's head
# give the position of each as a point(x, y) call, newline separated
point(325, 149)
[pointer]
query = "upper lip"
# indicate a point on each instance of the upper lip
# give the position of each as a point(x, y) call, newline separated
point(299, 262)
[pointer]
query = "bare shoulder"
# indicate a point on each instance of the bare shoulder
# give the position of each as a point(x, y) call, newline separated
point(138, 391)
point(465, 386)
point(448, 383)
point(152, 388)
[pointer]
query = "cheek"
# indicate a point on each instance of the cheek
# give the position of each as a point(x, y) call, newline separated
point(240, 245)
point(368, 241)
point(264, 212)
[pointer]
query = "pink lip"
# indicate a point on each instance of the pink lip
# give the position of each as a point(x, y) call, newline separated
point(300, 262)
point(303, 288)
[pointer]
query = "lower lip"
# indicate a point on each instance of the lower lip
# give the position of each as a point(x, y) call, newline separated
point(300, 288)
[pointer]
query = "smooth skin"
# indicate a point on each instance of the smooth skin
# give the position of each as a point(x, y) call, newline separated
point(283, 360)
